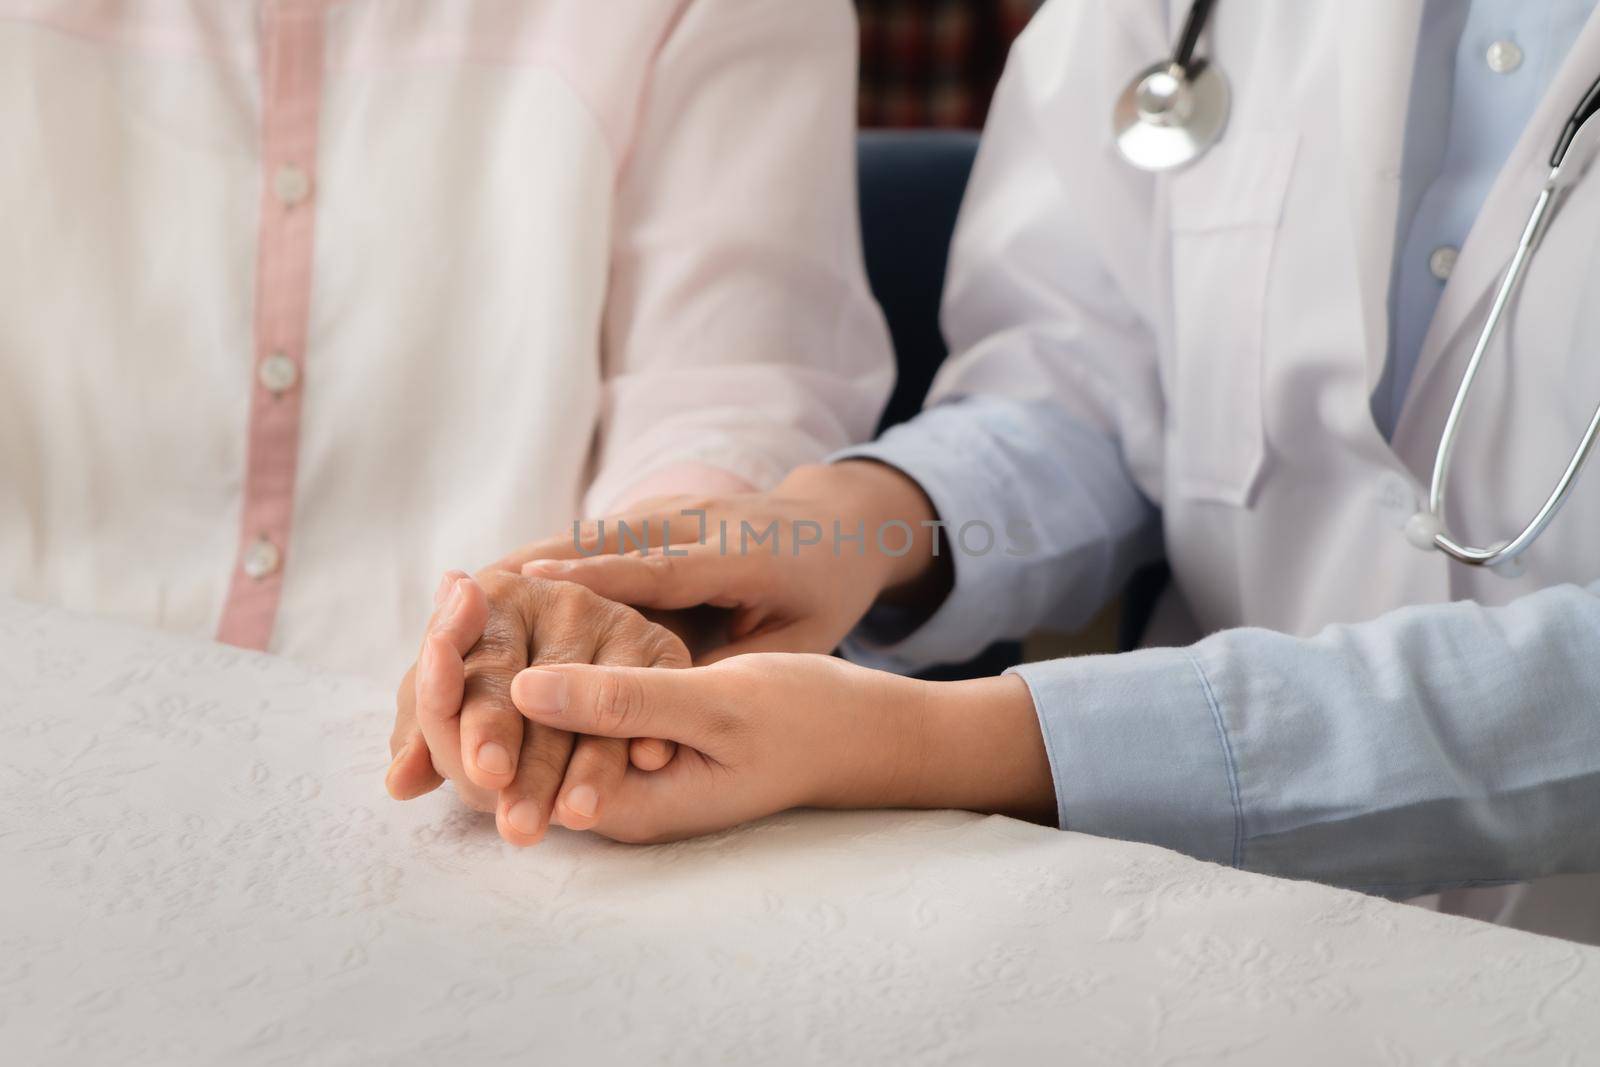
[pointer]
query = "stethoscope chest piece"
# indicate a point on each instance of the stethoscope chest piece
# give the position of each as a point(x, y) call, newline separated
point(1169, 115)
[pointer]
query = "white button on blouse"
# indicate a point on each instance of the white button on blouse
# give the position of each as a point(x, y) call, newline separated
point(292, 184)
point(278, 374)
point(261, 559)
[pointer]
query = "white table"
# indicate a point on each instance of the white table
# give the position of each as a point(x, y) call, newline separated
point(198, 865)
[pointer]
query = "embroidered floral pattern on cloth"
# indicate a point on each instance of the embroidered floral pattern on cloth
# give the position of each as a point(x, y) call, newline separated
point(198, 864)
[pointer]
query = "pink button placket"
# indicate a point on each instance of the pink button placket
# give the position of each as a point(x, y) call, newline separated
point(291, 93)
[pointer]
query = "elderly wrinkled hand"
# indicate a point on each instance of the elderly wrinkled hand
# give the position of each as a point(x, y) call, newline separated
point(791, 570)
point(455, 719)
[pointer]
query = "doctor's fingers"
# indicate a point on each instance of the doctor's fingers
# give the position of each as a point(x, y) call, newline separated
point(701, 575)
point(600, 764)
point(684, 706)
point(652, 523)
point(635, 641)
point(769, 611)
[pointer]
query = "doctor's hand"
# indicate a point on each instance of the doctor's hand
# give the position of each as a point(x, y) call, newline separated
point(792, 570)
point(760, 734)
point(455, 718)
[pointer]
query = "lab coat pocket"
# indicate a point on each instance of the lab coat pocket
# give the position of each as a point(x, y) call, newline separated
point(1225, 216)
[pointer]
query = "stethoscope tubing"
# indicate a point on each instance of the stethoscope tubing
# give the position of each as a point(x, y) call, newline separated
point(1564, 172)
point(1490, 557)
point(1189, 39)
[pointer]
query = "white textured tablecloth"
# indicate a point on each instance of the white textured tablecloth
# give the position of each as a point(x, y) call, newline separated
point(198, 864)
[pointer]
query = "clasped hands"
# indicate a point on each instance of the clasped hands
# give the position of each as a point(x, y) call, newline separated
point(545, 693)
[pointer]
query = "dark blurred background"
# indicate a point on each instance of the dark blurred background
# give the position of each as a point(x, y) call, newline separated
point(934, 63)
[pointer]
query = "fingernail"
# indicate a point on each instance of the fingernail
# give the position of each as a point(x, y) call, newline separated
point(394, 764)
point(447, 614)
point(525, 817)
point(493, 758)
point(537, 690)
point(444, 587)
point(429, 664)
point(582, 800)
point(653, 751)
point(546, 566)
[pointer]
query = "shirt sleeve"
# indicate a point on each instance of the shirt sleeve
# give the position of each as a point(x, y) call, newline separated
point(1046, 534)
point(1047, 417)
point(740, 335)
point(1435, 747)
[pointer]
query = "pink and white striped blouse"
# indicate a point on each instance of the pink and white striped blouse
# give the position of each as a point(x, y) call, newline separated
point(304, 301)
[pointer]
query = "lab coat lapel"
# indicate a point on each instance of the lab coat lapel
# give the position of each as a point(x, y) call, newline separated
point(1377, 60)
point(1493, 239)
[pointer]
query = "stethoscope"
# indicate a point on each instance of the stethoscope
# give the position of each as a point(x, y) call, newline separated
point(1175, 110)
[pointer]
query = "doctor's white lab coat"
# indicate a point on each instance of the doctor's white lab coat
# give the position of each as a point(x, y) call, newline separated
point(1224, 329)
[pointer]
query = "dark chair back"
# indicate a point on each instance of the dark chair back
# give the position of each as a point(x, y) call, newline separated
point(912, 182)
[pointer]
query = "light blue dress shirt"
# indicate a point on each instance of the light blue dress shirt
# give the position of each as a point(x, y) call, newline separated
point(1482, 69)
point(1434, 747)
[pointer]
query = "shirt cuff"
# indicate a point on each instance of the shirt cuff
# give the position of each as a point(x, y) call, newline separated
point(1042, 519)
point(1139, 752)
point(889, 640)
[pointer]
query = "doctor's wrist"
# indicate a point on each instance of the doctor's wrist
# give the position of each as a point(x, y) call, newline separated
point(902, 546)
